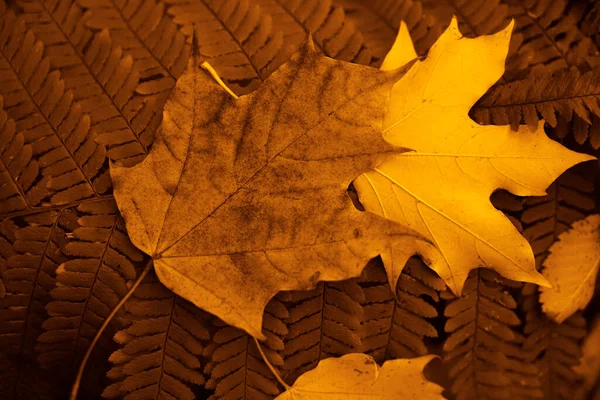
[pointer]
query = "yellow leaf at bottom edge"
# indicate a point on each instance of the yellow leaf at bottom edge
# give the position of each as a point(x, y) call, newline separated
point(357, 376)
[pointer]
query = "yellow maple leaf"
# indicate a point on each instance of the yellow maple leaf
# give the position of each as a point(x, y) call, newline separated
point(571, 267)
point(357, 376)
point(442, 189)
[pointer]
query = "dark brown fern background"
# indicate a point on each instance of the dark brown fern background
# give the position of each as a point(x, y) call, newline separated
point(84, 81)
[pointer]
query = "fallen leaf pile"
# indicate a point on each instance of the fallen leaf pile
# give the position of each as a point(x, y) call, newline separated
point(248, 199)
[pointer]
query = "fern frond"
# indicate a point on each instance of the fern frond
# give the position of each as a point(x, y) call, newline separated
point(333, 33)
point(102, 76)
point(160, 351)
point(551, 36)
point(397, 329)
point(29, 277)
point(475, 17)
point(103, 265)
point(50, 128)
point(483, 347)
point(7, 238)
point(546, 95)
point(17, 168)
point(587, 16)
point(235, 36)
point(323, 322)
point(570, 198)
point(143, 29)
point(379, 21)
point(553, 348)
point(236, 368)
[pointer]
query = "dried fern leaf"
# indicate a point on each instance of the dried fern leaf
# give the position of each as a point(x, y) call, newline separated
point(144, 37)
point(103, 264)
point(553, 348)
point(397, 327)
point(160, 351)
point(551, 36)
point(587, 15)
point(235, 36)
point(322, 322)
point(50, 127)
point(570, 198)
point(379, 21)
point(149, 45)
point(334, 34)
point(475, 17)
point(236, 368)
point(564, 94)
point(143, 29)
point(17, 168)
point(101, 76)
point(30, 249)
point(482, 348)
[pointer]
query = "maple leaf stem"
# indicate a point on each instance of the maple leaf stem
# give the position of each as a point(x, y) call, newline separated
point(205, 65)
point(77, 383)
point(273, 370)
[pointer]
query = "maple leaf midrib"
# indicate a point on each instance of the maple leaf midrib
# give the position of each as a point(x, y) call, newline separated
point(362, 92)
point(190, 139)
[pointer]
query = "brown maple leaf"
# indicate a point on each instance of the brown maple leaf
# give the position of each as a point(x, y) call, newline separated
point(243, 197)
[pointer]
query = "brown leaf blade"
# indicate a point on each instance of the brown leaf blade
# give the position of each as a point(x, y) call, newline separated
point(242, 198)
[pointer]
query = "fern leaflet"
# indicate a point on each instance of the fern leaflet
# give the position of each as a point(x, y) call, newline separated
point(562, 95)
point(236, 368)
point(398, 328)
point(483, 348)
point(333, 33)
point(31, 249)
point(160, 354)
point(379, 22)
point(101, 266)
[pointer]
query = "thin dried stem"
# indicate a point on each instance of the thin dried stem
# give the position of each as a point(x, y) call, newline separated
point(273, 370)
point(77, 383)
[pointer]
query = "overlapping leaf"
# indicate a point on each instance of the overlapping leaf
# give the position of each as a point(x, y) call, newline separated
point(442, 189)
point(571, 267)
point(357, 376)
